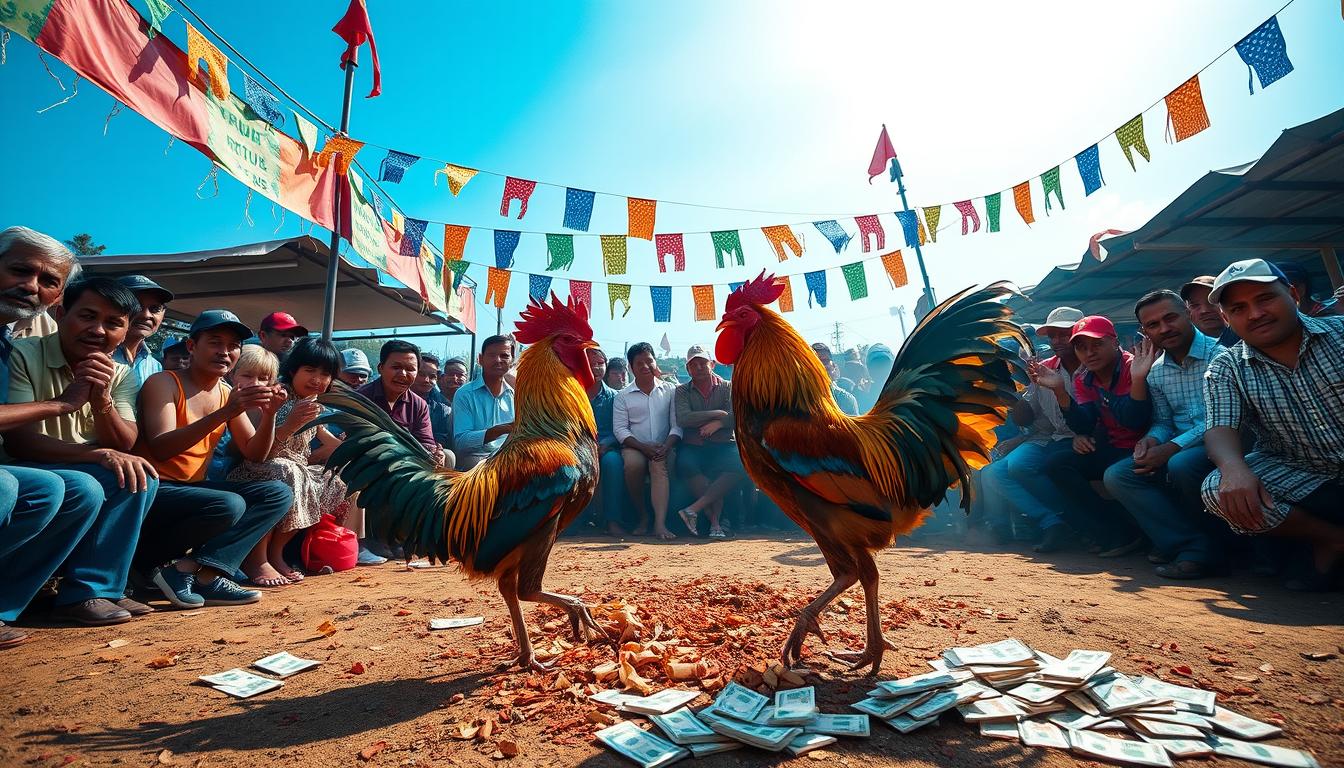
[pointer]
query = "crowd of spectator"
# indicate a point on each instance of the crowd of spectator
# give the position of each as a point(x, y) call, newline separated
point(191, 478)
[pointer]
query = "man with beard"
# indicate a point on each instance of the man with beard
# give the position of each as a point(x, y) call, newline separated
point(1284, 380)
point(483, 409)
point(1159, 484)
point(134, 352)
point(1204, 313)
point(95, 439)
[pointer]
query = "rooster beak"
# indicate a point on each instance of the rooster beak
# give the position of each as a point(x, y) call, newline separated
point(726, 323)
point(590, 344)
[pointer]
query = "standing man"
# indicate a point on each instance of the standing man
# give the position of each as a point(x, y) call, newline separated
point(96, 439)
point(134, 352)
point(355, 370)
point(279, 333)
point(1285, 380)
point(440, 408)
point(483, 409)
point(610, 481)
point(1159, 484)
point(1204, 313)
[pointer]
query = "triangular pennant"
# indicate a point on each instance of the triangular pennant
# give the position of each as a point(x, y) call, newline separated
point(198, 49)
point(158, 13)
point(262, 102)
point(816, 287)
point(781, 236)
point(933, 214)
point(1022, 200)
point(506, 242)
point(307, 132)
point(703, 296)
point(727, 243)
point(1186, 115)
point(1266, 55)
point(969, 216)
point(578, 209)
point(869, 225)
point(394, 166)
point(457, 176)
point(559, 251)
point(454, 241)
point(883, 153)
point(497, 286)
point(458, 269)
point(670, 245)
point(855, 280)
point(785, 296)
point(413, 234)
point(993, 206)
point(1130, 136)
point(516, 189)
point(661, 296)
point(1089, 169)
point(894, 264)
point(343, 148)
point(581, 291)
point(831, 230)
point(538, 286)
point(618, 292)
point(614, 254)
point(1050, 183)
point(640, 215)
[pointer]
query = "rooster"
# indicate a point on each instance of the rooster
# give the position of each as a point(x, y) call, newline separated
point(856, 483)
point(500, 518)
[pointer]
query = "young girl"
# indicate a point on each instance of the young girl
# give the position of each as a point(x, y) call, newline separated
point(306, 373)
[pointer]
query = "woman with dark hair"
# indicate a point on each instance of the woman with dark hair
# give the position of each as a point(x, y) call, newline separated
point(306, 373)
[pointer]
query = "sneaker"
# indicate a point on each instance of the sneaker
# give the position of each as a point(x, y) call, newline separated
point(718, 533)
point(368, 558)
point(177, 587)
point(95, 612)
point(224, 591)
point(133, 607)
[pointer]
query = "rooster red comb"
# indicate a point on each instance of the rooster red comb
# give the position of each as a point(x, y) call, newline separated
point(761, 290)
point(540, 320)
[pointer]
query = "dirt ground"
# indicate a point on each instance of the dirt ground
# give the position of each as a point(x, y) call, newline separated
point(402, 694)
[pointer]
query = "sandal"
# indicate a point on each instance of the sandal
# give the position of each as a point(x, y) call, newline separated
point(294, 573)
point(717, 533)
point(690, 519)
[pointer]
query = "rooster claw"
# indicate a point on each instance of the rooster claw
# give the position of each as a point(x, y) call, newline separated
point(857, 659)
point(528, 661)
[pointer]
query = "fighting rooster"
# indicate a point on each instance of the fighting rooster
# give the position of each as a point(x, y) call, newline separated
point(500, 518)
point(855, 484)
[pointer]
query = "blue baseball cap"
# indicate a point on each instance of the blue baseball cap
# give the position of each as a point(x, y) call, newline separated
point(211, 319)
point(138, 283)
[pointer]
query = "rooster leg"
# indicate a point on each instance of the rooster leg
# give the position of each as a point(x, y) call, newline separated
point(580, 620)
point(808, 618)
point(875, 645)
point(508, 589)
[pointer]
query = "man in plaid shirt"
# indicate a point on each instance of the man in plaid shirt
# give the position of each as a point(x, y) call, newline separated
point(1159, 484)
point(1285, 380)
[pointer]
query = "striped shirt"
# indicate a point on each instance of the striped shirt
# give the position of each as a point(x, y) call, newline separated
point(1177, 392)
point(1297, 414)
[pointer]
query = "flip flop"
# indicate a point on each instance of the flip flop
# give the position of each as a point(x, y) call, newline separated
point(279, 581)
point(690, 519)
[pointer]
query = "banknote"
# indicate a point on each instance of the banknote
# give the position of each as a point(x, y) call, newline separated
point(661, 702)
point(240, 683)
point(1078, 667)
point(714, 747)
point(926, 682)
point(682, 727)
point(1182, 749)
point(1118, 750)
point(1242, 726)
point(284, 664)
point(999, 731)
point(457, 622)
point(1037, 693)
point(1162, 729)
point(937, 704)
point(839, 725)
point(1001, 708)
point(1266, 754)
point(1005, 653)
point(614, 698)
point(1082, 701)
point(795, 706)
point(767, 737)
point(1036, 733)
point(1120, 693)
point(1181, 718)
point(906, 724)
point(886, 708)
point(1072, 718)
point(1201, 702)
point(810, 741)
point(739, 701)
point(644, 748)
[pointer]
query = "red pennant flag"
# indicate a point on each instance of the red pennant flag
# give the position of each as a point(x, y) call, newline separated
point(883, 154)
point(355, 29)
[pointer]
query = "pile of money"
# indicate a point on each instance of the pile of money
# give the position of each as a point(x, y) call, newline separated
point(240, 683)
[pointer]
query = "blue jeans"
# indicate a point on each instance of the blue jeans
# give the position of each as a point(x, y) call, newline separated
point(611, 486)
point(218, 523)
point(1103, 521)
point(43, 517)
point(1166, 504)
point(1016, 484)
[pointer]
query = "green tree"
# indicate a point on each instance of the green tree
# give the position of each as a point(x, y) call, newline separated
point(82, 245)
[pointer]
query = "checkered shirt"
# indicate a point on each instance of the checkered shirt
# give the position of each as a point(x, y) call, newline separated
point(1177, 392)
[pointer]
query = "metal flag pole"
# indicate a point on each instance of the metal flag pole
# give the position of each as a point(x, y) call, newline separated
point(334, 258)
point(919, 255)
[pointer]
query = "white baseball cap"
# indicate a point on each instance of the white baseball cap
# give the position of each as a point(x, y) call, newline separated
point(355, 361)
point(697, 351)
point(1245, 271)
point(1062, 318)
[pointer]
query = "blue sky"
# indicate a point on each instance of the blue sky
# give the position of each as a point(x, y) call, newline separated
point(756, 105)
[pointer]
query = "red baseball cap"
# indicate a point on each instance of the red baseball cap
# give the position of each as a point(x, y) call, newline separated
point(282, 321)
point(1094, 326)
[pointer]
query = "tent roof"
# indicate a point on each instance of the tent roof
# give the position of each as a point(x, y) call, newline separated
point(1284, 207)
point(255, 279)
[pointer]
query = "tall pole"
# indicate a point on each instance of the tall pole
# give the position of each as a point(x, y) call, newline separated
point(919, 255)
point(334, 258)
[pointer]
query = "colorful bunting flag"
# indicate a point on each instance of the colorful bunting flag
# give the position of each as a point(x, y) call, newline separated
point(780, 236)
point(559, 251)
point(869, 225)
point(968, 216)
point(354, 28)
point(661, 296)
point(457, 175)
point(883, 154)
point(506, 242)
point(263, 103)
point(458, 269)
point(497, 286)
point(343, 148)
point(582, 292)
point(454, 241)
point(665, 344)
point(1089, 168)
point(670, 245)
point(618, 292)
point(786, 296)
point(1186, 115)
point(856, 280)
point(578, 209)
point(614, 254)
point(831, 230)
point(640, 214)
point(516, 189)
point(727, 243)
point(307, 132)
point(911, 228)
point(1130, 136)
point(538, 286)
point(394, 166)
point(412, 235)
point(1050, 183)
point(895, 267)
point(933, 214)
point(1022, 199)
point(734, 286)
point(198, 48)
point(816, 287)
point(993, 205)
point(158, 13)
point(1266, 55)
point(703, 295)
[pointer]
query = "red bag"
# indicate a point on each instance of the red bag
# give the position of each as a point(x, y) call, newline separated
point(328, 544)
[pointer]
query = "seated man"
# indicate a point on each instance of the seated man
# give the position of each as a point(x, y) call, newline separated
point(134, 351)
point(176, 356)
point(618, 374)
point(1204, 313)
point(94, 439)
point(1300, 280)
point(452, 378)
point(483, 409)
point(1108, 412)
point(1285, 381)
point(643, 420)
point(1159, 484)
point(708, 453)
point(440, 408)
point(848, 405)
point(279, 333)
point(355, 370)
point(198, 532)
point(611, 480)
point(398, 366)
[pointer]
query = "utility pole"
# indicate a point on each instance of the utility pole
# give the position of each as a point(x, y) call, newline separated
point(899, 312)
point(836, 336)
point(334, 258)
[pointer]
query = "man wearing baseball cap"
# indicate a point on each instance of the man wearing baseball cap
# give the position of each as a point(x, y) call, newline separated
point(1109, 411)
point(355, 368)
point(848, 405)
point(703, 408)
point(1285, 381)
point(134, 352)
point(279, 332)
point(1204, 313)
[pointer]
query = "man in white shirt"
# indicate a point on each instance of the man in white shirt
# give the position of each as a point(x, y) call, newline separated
point(644, 424)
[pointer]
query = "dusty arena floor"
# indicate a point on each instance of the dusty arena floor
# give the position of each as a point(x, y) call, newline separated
point(404, 696)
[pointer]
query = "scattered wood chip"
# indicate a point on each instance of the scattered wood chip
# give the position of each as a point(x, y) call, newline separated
point(165, 757)
point(508, 748)
point(159, 662)
point(326, 628)
point(1319, 655)
point(368, 753)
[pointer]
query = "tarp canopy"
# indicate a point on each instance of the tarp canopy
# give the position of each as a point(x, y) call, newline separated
point(257, 279)
point(1288, 206)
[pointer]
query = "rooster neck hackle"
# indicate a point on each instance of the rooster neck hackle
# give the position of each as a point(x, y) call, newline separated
point(549, 400)
point(779, 372)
